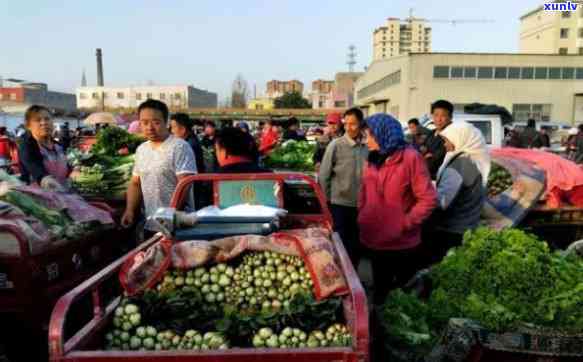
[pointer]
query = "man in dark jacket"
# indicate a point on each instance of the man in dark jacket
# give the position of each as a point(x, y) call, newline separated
point(434, 152)
point(530, 138)
point(208, 146)
point(181, 126)
point(291, 130)
point(417, 133)
point(65, 136)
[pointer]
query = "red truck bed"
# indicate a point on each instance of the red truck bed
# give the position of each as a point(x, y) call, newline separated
point(33, 279)
point(83, 344)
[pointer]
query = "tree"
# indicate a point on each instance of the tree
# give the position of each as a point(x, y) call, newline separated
point(240, 92)
point(292, 100)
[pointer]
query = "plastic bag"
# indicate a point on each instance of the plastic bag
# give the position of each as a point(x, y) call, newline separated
point(510, 207)
point(144, 269)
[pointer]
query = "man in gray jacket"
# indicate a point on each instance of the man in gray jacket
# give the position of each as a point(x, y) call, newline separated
point(340, 175)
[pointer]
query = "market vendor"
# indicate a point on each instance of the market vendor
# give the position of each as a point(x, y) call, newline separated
point(161, 162)
point(237, 152)
point(461, 188)
point(42, 161)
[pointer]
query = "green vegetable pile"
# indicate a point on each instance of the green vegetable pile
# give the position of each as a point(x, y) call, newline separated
point(112, 139)
point(129, 334)
point(108, 178)
point(336, 335)
point(268, 281)
point(234, 301)
point(104, 173)
point(502, 280)
point(26, 203)
point(499, 180)
point(58, 222)
point(54, 220)
point(293, 155)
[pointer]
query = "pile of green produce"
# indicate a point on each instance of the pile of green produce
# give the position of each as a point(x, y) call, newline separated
point(499, 180)
point(26, 203)
point(112, 139)
point(108, 178)
point(129, 334)
point(293, 155)
point(56, 221)
point(336, 335)
point(501, 279)
point(268, 281)
point(234, 301)
point(104, 172)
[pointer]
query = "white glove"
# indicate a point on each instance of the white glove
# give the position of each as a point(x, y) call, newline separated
point(51, 184)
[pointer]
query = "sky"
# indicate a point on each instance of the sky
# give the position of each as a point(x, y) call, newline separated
point(207, 43)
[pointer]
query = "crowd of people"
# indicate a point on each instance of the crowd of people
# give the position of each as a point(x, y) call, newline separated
point(399, 201)
point(403, 202)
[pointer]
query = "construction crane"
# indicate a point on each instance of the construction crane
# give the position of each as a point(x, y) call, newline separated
point(453, 22)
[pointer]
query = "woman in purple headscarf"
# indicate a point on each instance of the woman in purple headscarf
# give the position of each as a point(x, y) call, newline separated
point(396, 197)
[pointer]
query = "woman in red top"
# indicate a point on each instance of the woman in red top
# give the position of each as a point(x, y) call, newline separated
point(7, 147)
point(396, 197)
point(269, 138)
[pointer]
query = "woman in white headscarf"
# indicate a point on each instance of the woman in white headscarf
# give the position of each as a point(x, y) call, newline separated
point(461, 187)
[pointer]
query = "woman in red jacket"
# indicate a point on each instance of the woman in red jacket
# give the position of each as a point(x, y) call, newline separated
point(396, 197)
point(269, 138)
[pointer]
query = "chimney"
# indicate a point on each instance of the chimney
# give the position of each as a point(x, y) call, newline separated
point(99, 68)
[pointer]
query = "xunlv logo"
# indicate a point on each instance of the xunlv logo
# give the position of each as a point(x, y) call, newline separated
point(568, 6)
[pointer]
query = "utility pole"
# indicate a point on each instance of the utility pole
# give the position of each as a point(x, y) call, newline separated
point(351, 58)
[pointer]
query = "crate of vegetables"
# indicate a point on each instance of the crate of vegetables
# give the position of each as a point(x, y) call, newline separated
point(500, 291)
point(256, 305)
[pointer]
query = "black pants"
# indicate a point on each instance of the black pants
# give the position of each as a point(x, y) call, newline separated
point(346, 225)
point(436, 244)
point(391, 269)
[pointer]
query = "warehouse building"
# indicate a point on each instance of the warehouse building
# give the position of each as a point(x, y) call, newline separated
point(547, 87)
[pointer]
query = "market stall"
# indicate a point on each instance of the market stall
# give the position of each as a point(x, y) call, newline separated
point(51, 242)
point(103, 173)
point(536, 190)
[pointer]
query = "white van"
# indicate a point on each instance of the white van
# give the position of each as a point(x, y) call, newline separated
point(489, 124)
